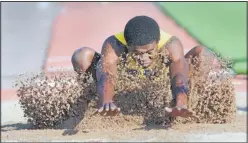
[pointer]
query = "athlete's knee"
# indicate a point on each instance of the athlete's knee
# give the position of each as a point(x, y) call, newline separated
point(202, 51)
point(207, 55)
point(195, 52)
point(82, 59)
point(199, 49)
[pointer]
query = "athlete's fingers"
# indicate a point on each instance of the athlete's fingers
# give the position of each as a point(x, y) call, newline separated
point(100, 109)
point(167, 109)
point(118, 109)
point(174, 112)
point(112, 106)
point(106, 106)
point(186, 113)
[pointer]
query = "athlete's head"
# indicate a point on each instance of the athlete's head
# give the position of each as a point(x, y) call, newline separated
point(142, 34)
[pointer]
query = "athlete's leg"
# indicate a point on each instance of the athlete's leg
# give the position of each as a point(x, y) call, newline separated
point(204, 55)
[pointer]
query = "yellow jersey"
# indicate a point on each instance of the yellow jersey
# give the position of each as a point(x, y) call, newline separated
point(131, 63)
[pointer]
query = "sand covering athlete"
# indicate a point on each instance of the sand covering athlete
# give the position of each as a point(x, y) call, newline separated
point(141, 42)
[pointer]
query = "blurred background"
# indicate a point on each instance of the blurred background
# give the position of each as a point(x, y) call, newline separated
point(25, 28)
point(221, 26)
point(43, 35)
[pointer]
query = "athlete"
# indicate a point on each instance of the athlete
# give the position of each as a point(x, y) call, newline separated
point(142, 41)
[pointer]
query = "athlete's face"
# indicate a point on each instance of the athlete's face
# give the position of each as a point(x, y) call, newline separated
point(145, 54)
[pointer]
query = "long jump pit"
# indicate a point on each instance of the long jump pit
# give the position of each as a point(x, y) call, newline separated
point(59, 106)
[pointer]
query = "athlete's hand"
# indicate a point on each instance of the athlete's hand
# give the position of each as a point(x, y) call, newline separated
point(179, 111)
point(108, 109)
point(181, 107)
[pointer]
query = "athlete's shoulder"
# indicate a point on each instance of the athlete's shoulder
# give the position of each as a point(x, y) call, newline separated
point(119, 47)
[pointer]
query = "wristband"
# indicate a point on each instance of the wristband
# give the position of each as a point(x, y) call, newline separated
point(179, 89)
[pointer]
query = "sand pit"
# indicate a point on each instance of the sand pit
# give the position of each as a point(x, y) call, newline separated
point(179, 133)
point(67, 101)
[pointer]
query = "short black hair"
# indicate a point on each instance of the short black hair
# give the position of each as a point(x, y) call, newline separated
point(141, 30)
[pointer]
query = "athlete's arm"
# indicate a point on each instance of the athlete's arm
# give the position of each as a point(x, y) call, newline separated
point(179, 71)
point(107, 72)
point(179, 67)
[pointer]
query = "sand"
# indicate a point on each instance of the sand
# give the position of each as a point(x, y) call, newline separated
point(194, 132)
point(63, 104)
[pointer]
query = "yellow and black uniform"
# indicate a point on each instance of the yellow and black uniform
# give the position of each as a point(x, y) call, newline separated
point(131, 63)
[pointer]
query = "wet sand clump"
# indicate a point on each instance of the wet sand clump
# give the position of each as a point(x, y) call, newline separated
point(47, 100)
point(146, 97)
point(65, 100)
point(212, 94)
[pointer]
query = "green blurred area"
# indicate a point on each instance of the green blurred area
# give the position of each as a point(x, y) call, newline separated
point(220, 26)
